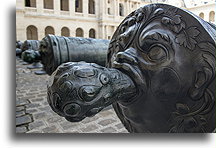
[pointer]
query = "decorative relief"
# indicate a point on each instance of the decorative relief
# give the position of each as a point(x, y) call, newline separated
point(187, 117)
point(160, 75)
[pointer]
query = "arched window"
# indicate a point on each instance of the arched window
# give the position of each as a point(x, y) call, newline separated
point(65, 32)
point(91, 5)
point(30, 3)
point(201, 15)
point(79, 32)
point(48, 4)
point(79, 6)
point(92, 33)
point(108, 11)
point(121, 10)
point(49, 30)
point(64, 5)
point(212, 17)
point(31, 33)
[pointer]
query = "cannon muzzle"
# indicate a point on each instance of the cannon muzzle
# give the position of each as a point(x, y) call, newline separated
point(79, 90)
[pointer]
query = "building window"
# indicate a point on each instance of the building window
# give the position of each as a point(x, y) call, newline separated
point(79, 32)
point(108, 11)
point(64, 5)
point(201, 15)
point(30, 3)
point(31, 33)
point(65, 32)
point(91, 5)
point(78, 6)
point(212, 17)
point(48, 4)
point(121, 10)
point(49, 30)
point(92, 33)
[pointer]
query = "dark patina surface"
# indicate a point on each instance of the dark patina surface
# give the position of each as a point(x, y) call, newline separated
point(166, 57)
point(56, 50)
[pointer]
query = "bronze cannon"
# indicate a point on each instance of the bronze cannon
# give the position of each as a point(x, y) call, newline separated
point(30, 51)
point(159, 76)
point(18, 48)
point(30, 44)
point(55, 50)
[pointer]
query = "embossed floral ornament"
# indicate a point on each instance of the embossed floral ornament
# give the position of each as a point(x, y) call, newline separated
point(183, 120)
point(187, 37)
point(173, 20)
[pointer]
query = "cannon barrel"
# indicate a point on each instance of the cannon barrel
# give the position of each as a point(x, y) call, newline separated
point(31, 56)
point(56, 50)
point(30, 44)
point(18, 48)
point(30, 51)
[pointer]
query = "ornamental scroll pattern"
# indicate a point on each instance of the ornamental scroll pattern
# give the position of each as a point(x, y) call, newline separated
point(184, 119)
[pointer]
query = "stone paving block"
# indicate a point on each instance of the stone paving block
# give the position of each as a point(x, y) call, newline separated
point(108, 130)
point(37, 100)
point(42, 94)
point(69, 125)
point(39, 115)
point(32, 105)
point(36, 124)
point(20, 113)
point(23, 120)
point(31, 94)
point(20, 108)
point(31, 110)
point(21, 129)
point(50, 129)
point(22, 102)
point(28, 97)
point(89, 128)
point(106, 122)
point(90, 119)
point(45, 108)
point(35, 131)
point(119, 126)
point(45, 103)
point(20, 96)
point(55, 119)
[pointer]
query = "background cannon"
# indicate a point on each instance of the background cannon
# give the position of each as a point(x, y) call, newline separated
point(30, 44)
point(18, 48)
point(30, 51)
point(55, 50)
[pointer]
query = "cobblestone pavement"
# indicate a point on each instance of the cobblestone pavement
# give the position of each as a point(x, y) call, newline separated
point(33, 114)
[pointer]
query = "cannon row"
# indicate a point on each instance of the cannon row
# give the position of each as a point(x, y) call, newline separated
point(52, 51)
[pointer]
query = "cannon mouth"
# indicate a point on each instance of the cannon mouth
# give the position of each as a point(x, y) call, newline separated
point(135, 75)
point(76, 111)
point(79, 90)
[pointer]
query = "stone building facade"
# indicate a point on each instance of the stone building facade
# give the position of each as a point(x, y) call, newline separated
point(206, 11)
point(83, 18)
